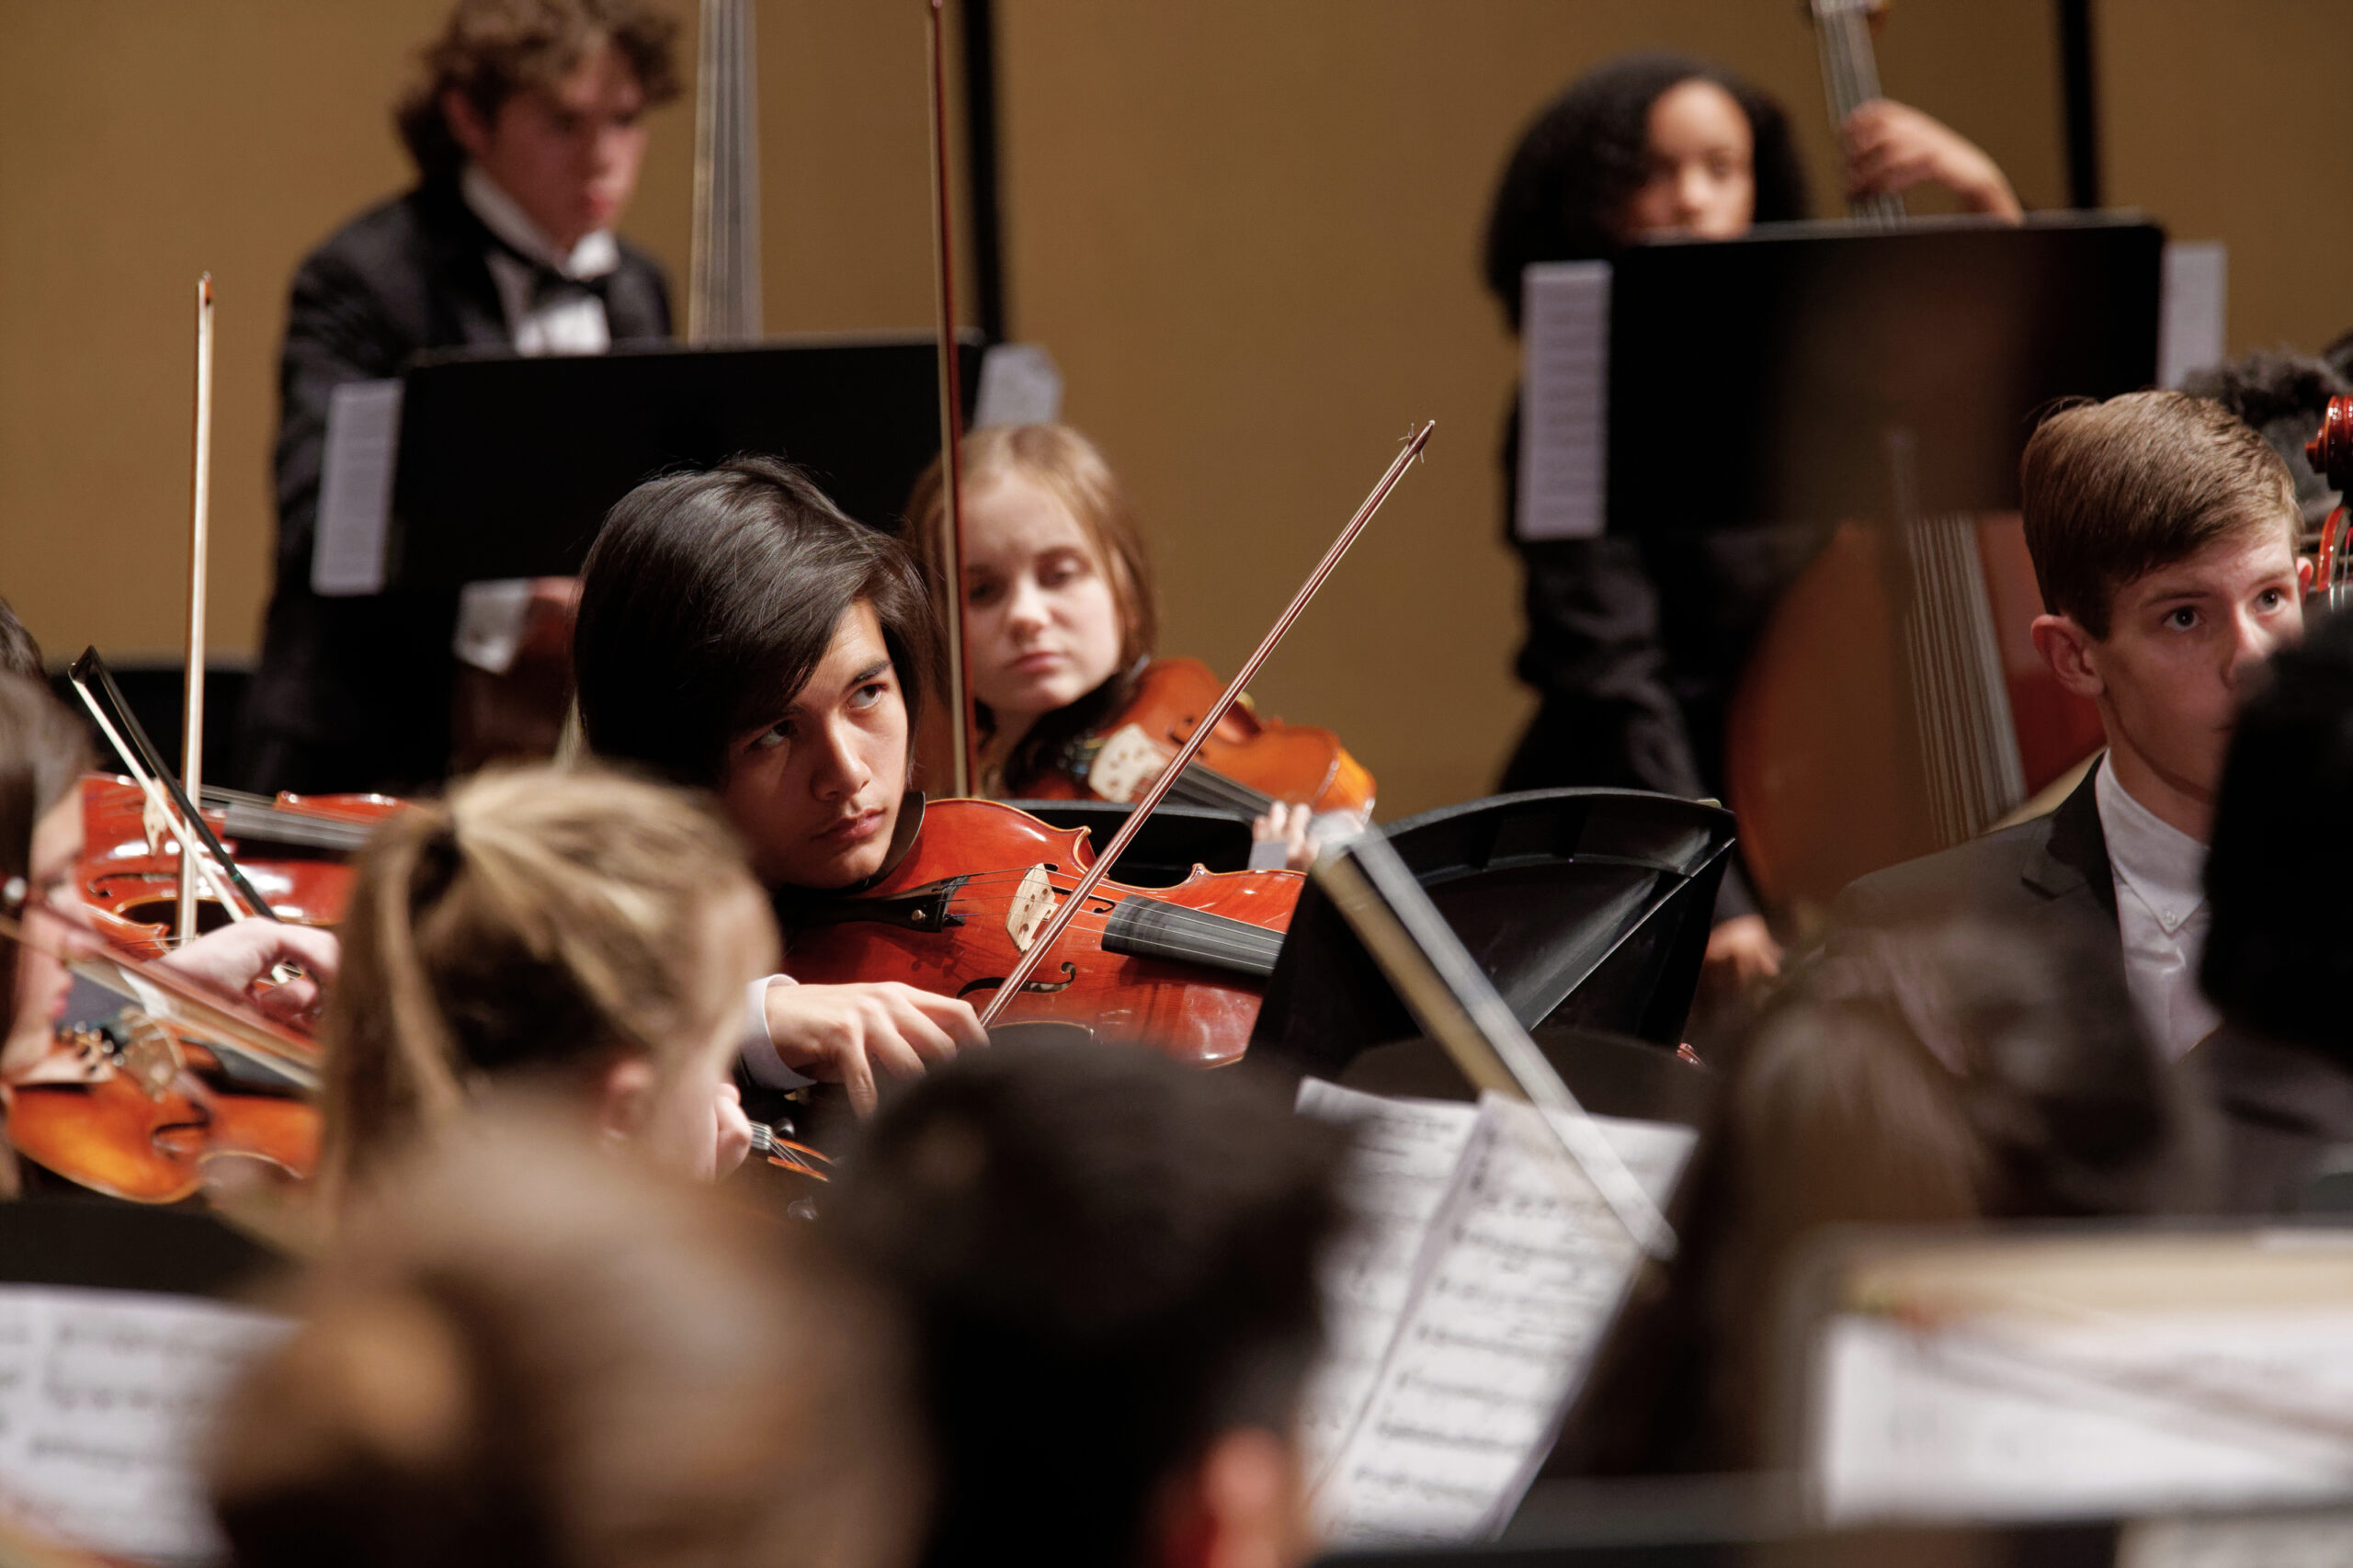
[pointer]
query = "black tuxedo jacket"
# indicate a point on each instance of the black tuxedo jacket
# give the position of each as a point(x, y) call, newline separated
point(2054, 868)
point(354, 693)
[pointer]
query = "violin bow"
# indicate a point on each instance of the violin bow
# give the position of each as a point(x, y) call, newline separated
point(952, 419)
point(174, 999)
point(167, 797)
point(1027, 963)
point(198, 542)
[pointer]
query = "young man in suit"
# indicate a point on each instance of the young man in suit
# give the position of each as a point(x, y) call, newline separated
point(2164, 533)
point(527, 130)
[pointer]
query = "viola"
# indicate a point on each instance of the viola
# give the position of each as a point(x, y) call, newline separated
point(1248, 763)
point(138, 1110)
point(1182, 967)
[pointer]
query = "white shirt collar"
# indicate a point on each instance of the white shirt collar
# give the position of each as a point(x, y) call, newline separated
point(593, 256)
point(2165, 866)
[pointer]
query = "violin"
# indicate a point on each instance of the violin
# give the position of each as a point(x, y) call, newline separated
point(1247, 764)
point(138, 1110)
point(304, 877)
point(1183, 967)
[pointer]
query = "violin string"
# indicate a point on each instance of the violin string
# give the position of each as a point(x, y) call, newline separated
point(1097, 925)
point(1196, 934)
point(1029, 962)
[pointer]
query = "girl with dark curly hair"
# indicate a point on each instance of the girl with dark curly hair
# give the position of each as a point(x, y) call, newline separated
point(1635, 644)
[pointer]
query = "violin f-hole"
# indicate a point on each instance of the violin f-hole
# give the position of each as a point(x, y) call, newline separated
point(989, 982)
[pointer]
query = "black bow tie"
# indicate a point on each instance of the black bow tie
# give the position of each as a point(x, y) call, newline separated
point(550, 287)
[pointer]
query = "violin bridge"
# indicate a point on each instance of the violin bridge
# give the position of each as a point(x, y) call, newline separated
point(1129, 760)
point(1033, 902)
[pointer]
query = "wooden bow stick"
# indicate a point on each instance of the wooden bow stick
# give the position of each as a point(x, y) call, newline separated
point(198, 544)
point(172, 999)
point(1143, 808)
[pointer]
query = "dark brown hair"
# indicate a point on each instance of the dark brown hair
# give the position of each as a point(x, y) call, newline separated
point(709, 598)
point(491, 49)
point(2275, 962)
point(2112, 491)
point(1106, 1260)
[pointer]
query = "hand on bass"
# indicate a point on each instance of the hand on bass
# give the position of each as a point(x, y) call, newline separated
point(851, 1035)
point(1891, 147)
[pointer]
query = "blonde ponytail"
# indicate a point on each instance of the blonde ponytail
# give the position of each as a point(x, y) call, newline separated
point(539, 921)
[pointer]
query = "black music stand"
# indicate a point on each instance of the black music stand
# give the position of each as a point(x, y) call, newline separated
point(1759, 378)
point(507, 465)
point(1172, 840)
point(93, 1243)
point(1585, 907)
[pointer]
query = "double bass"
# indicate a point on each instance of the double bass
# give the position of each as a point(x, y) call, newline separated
point(1894, 704)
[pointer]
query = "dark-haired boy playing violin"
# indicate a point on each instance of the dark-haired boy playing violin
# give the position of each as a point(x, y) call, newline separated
point(738, 633)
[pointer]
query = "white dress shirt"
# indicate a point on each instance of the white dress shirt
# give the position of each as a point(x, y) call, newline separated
point(492, 616)
point(2161, 913)
point(572, 322)
point(758, 1051)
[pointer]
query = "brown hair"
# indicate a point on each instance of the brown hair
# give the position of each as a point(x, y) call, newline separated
point(490, 48)
point(2113, 491)
point(539, 921)
point(708, 599)
point(526, 1355)
point(1073, 469)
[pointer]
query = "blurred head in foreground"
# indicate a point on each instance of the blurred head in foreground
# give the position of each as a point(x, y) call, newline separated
point(1107, 1263)
point(523, 1355)
point(576, 929)
point(2276, 963)
point(1939, 1072)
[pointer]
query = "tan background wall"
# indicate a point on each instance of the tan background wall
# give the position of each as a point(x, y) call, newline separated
point(1248, 231)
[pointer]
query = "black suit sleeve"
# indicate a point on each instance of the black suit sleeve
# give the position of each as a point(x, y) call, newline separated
point(337, 330)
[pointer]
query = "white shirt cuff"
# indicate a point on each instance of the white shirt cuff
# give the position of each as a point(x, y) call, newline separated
point(759, 1053)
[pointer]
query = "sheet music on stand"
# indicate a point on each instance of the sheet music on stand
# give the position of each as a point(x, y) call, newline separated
point(105, 1396)
point(2060, 1376)
point(1482, 1272)
point(1490, 1248)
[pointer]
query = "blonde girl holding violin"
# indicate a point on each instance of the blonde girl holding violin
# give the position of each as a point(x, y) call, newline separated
point(1060, 617)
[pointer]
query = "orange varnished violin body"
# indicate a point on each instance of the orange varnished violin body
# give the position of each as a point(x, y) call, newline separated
point(122, 876)
point(1247, 763)
point(138, 1112)
point(1181, 968)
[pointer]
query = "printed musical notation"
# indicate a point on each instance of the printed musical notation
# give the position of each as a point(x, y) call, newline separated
point(1479, 1276)
point(2025, 1414)
point(104, 1395)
